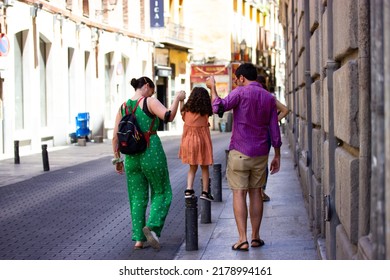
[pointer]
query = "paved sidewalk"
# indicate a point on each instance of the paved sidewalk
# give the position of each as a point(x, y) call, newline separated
point(284, 229)
point(31, 165)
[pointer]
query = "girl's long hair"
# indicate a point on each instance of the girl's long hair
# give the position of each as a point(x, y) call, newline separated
point(198, 102)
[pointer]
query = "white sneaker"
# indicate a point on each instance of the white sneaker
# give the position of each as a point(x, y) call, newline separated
point(152, 238)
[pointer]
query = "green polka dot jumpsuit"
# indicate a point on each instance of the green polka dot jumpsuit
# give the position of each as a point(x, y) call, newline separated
point(146, 169)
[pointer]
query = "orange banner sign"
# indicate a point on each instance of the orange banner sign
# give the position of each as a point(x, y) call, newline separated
point(199, 73)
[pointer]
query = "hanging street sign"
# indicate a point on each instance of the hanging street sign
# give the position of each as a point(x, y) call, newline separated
point(156, 13)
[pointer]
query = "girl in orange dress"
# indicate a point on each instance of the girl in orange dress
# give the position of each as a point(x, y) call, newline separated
point(196, 147)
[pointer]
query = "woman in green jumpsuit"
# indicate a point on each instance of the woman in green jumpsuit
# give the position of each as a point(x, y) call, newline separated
point(148, 168)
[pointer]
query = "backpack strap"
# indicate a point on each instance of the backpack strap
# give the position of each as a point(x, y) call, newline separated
point(150, 131)
point(125, 108)
point(136, 105)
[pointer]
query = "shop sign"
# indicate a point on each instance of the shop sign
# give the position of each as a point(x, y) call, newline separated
point(163, 71)
point(156, 13)
point(199, 73)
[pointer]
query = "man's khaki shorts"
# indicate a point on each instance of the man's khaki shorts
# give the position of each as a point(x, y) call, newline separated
point(245, 172)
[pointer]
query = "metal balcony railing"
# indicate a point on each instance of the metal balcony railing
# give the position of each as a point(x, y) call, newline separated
point(175, 34)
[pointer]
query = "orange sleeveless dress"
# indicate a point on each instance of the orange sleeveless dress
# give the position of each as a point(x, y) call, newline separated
point(196, 147)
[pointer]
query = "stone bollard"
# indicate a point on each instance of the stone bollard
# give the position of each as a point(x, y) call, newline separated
point(45, 158)
point(16, 152)
point(205, 207)
point(98, 139)
point(82, 141)
point(191, 223)
point(217, 183)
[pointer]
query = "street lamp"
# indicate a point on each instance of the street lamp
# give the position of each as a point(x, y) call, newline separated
point(242, 48)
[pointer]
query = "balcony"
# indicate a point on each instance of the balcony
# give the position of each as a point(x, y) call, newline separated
point(174, 34)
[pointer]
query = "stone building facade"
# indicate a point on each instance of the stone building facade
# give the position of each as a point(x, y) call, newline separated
point(337, 89)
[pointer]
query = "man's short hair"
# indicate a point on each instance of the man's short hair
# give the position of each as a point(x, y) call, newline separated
point(248, 70)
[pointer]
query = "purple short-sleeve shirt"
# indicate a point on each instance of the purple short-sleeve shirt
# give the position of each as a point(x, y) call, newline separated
point(255, 119)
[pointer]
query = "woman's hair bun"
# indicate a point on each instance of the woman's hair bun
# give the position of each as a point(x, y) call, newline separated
point(134, 82)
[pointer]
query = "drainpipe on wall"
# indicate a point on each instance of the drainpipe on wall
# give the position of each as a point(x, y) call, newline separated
point(331, 67)
point(364, 117)
point(308, 82)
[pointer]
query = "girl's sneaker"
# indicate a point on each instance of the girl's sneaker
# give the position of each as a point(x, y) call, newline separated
point(189, 193)
point(206, 196)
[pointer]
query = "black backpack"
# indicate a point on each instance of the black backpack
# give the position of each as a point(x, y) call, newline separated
point(131, 140)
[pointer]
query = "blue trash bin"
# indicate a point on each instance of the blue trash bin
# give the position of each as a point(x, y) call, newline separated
point(223, 127)
point(82, 125)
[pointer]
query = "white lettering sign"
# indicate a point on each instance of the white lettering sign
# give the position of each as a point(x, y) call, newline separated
point(156, 13)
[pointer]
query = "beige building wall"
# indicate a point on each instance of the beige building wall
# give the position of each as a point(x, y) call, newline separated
point(70, 64)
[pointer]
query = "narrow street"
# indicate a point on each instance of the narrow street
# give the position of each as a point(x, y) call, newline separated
point(82, 212)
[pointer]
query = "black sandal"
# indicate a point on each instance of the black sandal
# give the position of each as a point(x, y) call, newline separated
point(257, 243)
point(239, 246)
point(189, 193)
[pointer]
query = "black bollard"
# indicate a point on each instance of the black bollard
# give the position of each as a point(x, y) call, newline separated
point(16, 152)
point(205, 212)
point(191, 224)
point(217, 182)
point(45, 158)
point(205, 207)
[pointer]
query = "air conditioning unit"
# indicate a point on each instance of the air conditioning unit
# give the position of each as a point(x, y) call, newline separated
point(8, 3)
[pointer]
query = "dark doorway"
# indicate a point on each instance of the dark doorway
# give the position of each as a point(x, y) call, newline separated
point(162, 84)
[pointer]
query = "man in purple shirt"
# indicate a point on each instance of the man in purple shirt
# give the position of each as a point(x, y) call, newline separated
point(255, 122)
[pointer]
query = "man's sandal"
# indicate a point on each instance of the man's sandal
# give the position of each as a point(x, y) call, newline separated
point(239, 246)
point(257, 242)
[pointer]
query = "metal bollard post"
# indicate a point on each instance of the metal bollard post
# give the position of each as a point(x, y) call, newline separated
point(16, 152)
point(45, 158)
point(217, 182)
point(191, 224)
point(205, 207)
